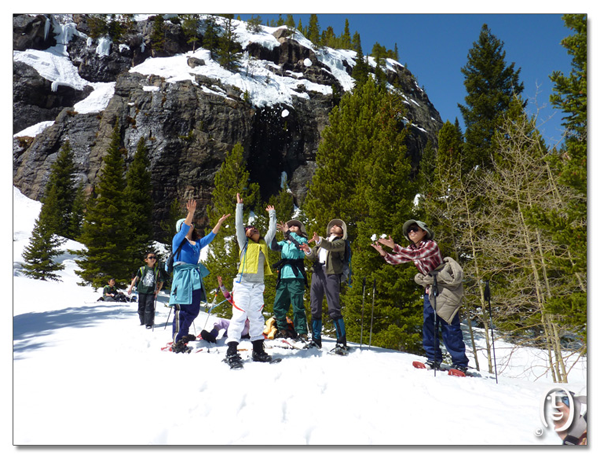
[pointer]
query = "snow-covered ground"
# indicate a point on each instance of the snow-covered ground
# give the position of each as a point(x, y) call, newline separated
point(86, 373)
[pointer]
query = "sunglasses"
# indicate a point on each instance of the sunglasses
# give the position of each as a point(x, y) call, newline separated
point(413, 229)
point(152, 257)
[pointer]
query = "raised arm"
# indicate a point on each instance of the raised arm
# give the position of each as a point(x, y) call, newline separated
point(239, 222)
point(272, 226)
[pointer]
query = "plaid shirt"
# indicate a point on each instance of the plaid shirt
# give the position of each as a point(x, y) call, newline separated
point(425, 255)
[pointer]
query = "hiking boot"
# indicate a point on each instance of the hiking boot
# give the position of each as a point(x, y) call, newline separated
point(303, 337)
point(432, 365)
point(234, 361)
point(258, 352)
point(314, 344)
point(207, 336)
point(340, 349)
point(180, 347)
point(187, 338)
point(283, 334)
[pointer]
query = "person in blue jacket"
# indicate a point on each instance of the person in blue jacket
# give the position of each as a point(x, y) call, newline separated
point(291, 281)
point(187, 290)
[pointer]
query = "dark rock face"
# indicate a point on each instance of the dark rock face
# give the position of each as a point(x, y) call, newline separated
point(29, 32)
point(189, 126)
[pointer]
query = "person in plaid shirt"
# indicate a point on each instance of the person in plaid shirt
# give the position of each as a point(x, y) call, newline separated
point(425, 254)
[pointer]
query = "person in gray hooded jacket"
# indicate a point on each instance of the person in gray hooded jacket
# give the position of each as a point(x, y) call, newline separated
point(425, 254)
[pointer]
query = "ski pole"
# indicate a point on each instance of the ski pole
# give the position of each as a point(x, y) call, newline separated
point(372, 309)
point(362, 311)
point(211, 308)
point(168, 316)
point(488, 297)
point(435, 325)
point(154, 315)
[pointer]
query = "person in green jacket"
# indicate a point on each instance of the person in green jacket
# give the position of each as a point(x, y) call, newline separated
point(291, 281)
point(149, 281)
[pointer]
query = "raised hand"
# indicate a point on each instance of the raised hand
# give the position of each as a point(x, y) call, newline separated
point(269, 208)
point(239, 199)
point(191, 205)
point(282, 227)
point(377, 247)
point(389, 242)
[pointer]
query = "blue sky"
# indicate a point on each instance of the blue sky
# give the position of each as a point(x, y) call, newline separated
point(434, 47)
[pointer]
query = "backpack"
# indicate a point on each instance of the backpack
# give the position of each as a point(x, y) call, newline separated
point(171, 260)
point(347, 269)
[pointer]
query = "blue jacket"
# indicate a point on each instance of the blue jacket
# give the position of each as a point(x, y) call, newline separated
point(188, 272)
point(291, 252)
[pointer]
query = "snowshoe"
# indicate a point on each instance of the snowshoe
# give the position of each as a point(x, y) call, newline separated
point(234, 361)
point(181, 347)
point(340, 349)
point(315, 343)
point(261, 356)
point(458, 370)
point(432, 365)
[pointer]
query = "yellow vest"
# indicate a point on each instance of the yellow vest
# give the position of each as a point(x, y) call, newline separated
point(249, 260)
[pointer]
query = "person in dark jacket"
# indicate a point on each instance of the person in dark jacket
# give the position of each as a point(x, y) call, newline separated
point(149, 280)
point(328, 264)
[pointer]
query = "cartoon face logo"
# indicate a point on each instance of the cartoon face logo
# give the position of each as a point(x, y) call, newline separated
point(553, 409)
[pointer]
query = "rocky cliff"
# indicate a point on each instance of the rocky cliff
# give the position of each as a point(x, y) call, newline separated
point(190, 110)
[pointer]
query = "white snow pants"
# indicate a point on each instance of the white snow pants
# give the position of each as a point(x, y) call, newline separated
point(248, 303)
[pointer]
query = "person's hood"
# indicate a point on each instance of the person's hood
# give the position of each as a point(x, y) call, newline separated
point(341, 224)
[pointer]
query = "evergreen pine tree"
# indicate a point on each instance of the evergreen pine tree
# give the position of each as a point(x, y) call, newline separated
point(490, 85)
point(346, 39)
point(105, 225)
point(568, 222)
point(157, 37)
point(223, 254)
point(289, 21)
point(313, 32)
point(40, 254)
point(138, 206)
point(190, 27)
point(360, 72)
point(365, 135)
point(229, 48)
point(60, 193)
point(210, 39)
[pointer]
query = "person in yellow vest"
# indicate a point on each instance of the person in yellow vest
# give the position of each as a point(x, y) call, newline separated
point(249, 285)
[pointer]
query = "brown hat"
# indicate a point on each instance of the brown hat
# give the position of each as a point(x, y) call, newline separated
point(299, 224)
point(340, 223)
point(420, 224)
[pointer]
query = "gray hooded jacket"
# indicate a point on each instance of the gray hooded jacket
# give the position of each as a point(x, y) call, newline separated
point(450, 288)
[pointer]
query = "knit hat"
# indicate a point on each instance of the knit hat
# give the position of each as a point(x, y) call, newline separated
point(420, 224)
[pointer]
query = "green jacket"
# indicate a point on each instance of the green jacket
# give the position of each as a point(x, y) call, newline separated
point(336, 249)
